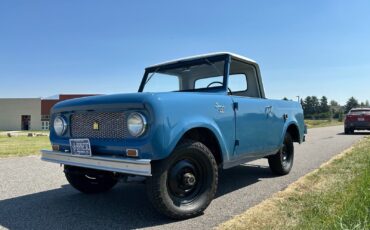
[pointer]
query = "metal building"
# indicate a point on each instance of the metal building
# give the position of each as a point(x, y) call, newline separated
point(20, 114)
point(29, 113)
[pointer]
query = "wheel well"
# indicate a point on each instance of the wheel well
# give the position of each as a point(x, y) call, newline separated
point(207, 137)
point(294, 132)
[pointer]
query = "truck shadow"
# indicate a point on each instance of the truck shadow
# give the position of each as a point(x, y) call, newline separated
point(124, 207)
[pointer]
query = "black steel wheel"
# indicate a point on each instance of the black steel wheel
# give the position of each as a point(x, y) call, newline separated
point(184, 184)
point(185, 180)
point(89, 180)
point(282, 162)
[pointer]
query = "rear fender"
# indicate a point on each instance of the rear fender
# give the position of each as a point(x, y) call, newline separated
point(285, 130)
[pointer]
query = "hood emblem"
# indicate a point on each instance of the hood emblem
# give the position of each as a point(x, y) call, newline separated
point(96, 125)
point(220, 108)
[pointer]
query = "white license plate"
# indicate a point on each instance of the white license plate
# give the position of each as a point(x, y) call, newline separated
point(361, 119)
point(80, 147)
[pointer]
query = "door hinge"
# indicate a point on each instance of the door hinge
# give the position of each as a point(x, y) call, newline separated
point(236, 142)
point(235, 105)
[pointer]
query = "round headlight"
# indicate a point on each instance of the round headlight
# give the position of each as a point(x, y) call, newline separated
point(60, 125)
point(136, 124)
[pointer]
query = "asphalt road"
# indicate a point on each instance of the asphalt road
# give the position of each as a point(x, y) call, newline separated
point(35, 194)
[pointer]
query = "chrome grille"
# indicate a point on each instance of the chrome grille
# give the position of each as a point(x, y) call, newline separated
point(111, 125)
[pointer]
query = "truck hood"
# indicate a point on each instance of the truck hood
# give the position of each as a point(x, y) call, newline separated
point(131, 100)
point(122, 101)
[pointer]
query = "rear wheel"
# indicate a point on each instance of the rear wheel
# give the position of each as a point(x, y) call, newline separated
point(347, 131)
point(184, 184)
point(282, 162)
point(89, 180)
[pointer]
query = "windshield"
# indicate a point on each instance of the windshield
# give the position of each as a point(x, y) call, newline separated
point(199, 75)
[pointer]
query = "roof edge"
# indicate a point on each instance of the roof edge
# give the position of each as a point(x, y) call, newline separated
point(237, 56)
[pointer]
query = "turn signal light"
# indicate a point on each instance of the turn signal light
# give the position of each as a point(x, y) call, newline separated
point(132, 152)
point(55, 147)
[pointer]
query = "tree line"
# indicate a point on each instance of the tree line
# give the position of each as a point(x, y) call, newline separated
point(315, 108)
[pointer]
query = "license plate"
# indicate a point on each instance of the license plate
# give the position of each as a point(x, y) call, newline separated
point(361, 119)
point(80, 147)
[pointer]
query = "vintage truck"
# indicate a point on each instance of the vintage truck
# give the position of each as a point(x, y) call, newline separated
point(190, 118)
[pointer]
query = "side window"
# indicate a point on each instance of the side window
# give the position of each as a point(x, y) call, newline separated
point(243, 79)
point(209, 82)
point(238, 82)
point(160, 82)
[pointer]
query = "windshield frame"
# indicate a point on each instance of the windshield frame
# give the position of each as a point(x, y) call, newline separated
point(224, 57)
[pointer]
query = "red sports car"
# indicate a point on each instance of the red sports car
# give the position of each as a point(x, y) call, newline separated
point(357, 119)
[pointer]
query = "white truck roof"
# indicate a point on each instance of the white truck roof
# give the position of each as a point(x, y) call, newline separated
point(236, 56)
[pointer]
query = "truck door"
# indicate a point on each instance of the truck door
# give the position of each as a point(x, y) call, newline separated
point(254, 114)
point(251, 126)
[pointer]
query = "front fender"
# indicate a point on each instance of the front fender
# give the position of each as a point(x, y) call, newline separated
point(176, 132)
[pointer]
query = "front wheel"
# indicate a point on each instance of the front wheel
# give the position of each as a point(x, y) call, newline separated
point(89, 180)
point(184, 184)
point(282, 162)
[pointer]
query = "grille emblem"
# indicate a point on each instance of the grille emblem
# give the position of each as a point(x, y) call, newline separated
point(96, 125)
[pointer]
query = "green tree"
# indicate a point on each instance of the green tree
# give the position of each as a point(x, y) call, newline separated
point(324, 107)
point(334, 103)
point(311, 106)
point(307, 106)
point(335, 109)
point(340, 117)
point(285, 98)
point(351, 103)
point(315, 104)
point(367, 103)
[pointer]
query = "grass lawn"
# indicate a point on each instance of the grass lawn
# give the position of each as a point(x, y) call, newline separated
point(322, 123)
point(22, 145)
point(336, 196)
point(25, 132)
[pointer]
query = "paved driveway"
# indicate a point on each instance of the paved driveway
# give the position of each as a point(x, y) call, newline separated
point(35, 194)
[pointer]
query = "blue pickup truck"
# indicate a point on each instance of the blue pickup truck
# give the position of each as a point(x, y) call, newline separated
point(190, 118)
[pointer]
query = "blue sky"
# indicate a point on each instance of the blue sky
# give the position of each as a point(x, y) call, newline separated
point(303, 47)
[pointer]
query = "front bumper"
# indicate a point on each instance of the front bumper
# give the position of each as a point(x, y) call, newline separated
point(140, 167)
